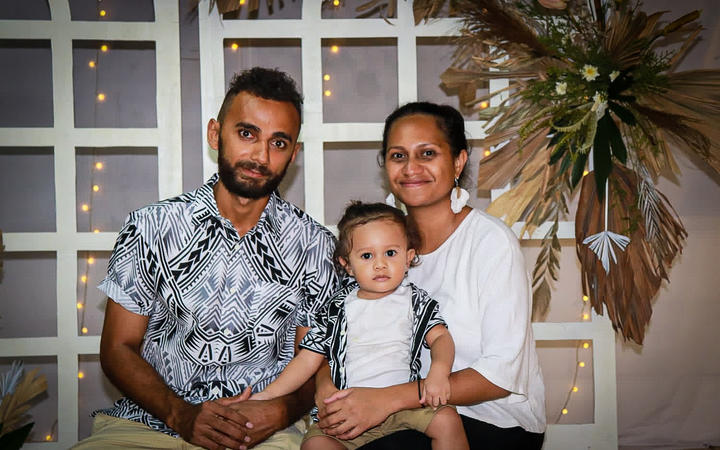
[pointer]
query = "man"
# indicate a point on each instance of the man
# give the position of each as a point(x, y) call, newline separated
point(211, 291)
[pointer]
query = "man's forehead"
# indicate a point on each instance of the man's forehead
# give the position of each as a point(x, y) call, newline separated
point(267, 115)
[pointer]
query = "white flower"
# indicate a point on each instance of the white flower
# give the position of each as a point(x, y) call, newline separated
point(614, 74)
point(589, 72)
point(599, 105)
point(561, 87)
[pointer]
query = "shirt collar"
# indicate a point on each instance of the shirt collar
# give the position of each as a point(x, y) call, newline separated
point(205, 207)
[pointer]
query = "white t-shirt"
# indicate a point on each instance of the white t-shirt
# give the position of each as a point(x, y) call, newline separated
point(478, 277)
point(379, 338)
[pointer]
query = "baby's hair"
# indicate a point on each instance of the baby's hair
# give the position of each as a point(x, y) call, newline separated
point(358, 213)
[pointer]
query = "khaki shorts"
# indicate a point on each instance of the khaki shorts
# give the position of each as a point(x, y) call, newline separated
point(410, 419)
point(113, 432)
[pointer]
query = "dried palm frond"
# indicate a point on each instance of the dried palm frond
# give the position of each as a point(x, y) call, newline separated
point(15, 404)
point(626, 292)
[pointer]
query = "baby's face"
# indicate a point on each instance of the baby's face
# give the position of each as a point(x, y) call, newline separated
point(379, 258)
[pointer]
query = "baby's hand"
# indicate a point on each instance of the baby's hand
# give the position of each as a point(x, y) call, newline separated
point(262, 395)
point(436, 389)
point(321, 393)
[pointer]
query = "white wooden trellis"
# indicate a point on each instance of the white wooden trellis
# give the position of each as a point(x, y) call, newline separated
point(311, 29)
point(63, 137)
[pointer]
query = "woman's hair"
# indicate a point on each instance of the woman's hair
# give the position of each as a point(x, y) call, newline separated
point(448, 119)
point(358, 213)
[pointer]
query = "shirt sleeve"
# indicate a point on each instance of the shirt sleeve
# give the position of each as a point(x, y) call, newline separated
point(132, 269)
point(321, 281)
point(505, 322)
point(428, 311)
point(316, 339)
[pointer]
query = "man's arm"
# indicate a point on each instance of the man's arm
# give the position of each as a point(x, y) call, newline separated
point(210, 424)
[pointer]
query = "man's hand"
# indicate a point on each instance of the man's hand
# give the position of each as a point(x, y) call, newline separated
point(212, 425)
point(351, 412)
point(261, 415)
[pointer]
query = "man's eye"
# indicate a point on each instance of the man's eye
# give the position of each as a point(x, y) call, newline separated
point(281, 144)
point(366, 255)
point(391, 252)
point(245, 134)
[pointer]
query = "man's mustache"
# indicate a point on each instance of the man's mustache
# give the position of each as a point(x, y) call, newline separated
point(249, 165)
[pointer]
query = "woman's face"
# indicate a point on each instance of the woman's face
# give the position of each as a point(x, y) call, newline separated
point(419, 162)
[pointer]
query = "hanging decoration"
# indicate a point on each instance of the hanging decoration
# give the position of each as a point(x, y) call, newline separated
point(17, 389)
point(594, 89)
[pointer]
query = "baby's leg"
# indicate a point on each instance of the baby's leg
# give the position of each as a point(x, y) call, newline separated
point(324, 442)
point(446, 431)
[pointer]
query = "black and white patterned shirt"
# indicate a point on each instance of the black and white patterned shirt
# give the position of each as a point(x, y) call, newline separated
point(222, 309)
point(328, 335)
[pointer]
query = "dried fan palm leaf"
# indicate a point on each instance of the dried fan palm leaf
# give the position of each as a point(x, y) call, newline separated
point(14, 405)
point(627, 291)
point(501, 166)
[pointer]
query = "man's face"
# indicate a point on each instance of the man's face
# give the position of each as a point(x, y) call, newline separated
point(256, 143)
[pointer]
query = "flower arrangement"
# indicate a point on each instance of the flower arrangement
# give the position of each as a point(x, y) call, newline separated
point(592, 101)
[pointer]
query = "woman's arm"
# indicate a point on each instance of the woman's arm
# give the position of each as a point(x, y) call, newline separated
point(298, 371)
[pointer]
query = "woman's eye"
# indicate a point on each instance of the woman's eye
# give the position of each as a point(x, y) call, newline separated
point(391, 252)
point(366, 255)
point(396, 156)
point(428, 153)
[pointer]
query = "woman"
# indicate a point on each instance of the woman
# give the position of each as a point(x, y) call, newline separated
point(472, 265)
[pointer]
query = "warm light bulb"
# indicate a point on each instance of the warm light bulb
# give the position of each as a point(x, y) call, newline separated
point(85, 207)
point(585, 172)
point(91, 64)
point(81, 375)
point(104, 48)
point(91, 260)
point(98, 165)
point(242, 2)
point(83, 278)
point(48, 437)
point(564, 411)
point(328, 93)
point(581, 364)
point(486, 153)
point(585, 298)
point(96, 188)
point(103, 13)
point(234, 46)
point(334, 49)
point(79, 305)
point(336, 2)
point(586, 345)
point(326, 77)
point(484, 104)
point(96, 231)
point(575, 389)
point(101, 97)
point(586, 316)
point(84, 330)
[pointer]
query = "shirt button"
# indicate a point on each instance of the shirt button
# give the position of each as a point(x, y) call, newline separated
point(218, 370)
point(233, 290)
point(342, 370)
point(236, 247)
point(227, 332)
point(342, 333)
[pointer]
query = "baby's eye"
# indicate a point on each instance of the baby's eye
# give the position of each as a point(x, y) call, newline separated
point(391, 253)
point(366, 255)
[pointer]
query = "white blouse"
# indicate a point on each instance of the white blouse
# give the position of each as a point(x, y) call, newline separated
point(478, 277)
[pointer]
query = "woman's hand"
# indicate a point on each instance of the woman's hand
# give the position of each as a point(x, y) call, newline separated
point(351, 412)
point(436, 389)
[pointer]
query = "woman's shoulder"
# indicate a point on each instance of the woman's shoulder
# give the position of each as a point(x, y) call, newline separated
point(482, 229)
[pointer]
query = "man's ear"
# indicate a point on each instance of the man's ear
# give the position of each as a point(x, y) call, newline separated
point(343, 262)
point(213, 133)
point(298, 146)
point(410, 256)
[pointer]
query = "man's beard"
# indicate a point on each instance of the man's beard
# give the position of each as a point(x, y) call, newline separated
point(244, 187)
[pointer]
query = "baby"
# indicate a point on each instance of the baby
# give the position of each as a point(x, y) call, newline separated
point(371, 332)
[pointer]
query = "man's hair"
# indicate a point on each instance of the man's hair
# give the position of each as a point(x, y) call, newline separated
point(358, 213)
point(270, 84)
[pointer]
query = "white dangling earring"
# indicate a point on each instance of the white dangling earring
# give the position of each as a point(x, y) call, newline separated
point(390, 200)
point(458, 197)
